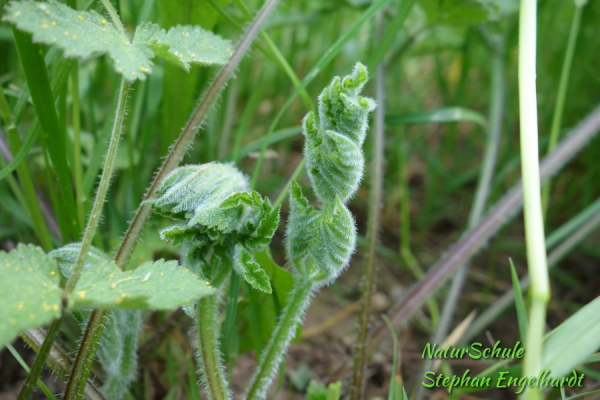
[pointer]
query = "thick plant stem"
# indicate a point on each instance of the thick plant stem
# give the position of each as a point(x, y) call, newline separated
point(359, 352)
point(187, 135)
point(563, 85)
point(37, 367)
point(212, 372)
point(109, 163)
point(532, 202)
point(283, 334)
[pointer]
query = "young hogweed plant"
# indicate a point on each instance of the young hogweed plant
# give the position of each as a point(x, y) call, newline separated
point(221, 223)
point(320, 242)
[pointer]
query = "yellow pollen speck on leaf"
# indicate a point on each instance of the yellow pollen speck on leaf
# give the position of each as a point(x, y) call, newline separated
point(52, 273)
point(143, 69)
point(80, 17)
point(66, 33)
point(13, 321)
point(74, 37)
point(7, 265)
point(118, 301)
point(29, 269)
point(53, 23)
point(31, 316)
point(20, 306)
point(193, 55)
point(81, 294)
point(44, 25)
point(17, 269)
point(114, 285)
point(47, 12)
point(103, 22)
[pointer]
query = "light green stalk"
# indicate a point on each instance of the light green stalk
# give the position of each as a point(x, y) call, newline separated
point(532, 202)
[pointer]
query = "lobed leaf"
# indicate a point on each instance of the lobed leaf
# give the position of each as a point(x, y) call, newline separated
point(30, 295)
point(250, 270)
point(184, 45)
point(159, 285)
point(80, 34)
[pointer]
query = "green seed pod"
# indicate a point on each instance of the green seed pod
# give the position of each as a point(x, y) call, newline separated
point(333, 149)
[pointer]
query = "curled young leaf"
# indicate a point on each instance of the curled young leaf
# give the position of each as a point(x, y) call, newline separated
point(323, 240)
point(193, 189)
point(247, 267)
point(333, 147)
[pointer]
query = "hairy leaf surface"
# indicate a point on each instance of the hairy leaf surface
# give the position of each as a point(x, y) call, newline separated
point(333, 149)
point(159, 285)
point(29, 291)
point(252, 272)
point(82, 34)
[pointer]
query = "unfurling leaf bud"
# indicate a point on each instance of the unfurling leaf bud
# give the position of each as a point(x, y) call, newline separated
point(333, 149)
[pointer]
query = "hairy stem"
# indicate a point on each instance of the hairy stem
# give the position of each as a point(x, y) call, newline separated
point(93, 330)
point(85, 355)
point(187, 135)
point(532, 202)
point(283, 334)
point(58, 361)
point(359, 353)
point(107, 171)
point(40, 360)
point(212, 372)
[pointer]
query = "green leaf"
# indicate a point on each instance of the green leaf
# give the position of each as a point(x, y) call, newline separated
point(80, 34)
point(192, 189)
point(317, 391)
point(67, 257)
point(519, 302)
point(333, 151)
point(117, 352)
point(159, 285)
point(184, 45)
point(246, 266)
point(440, 115)
point(326, 238)
point(30, 295)
point(573, 341)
